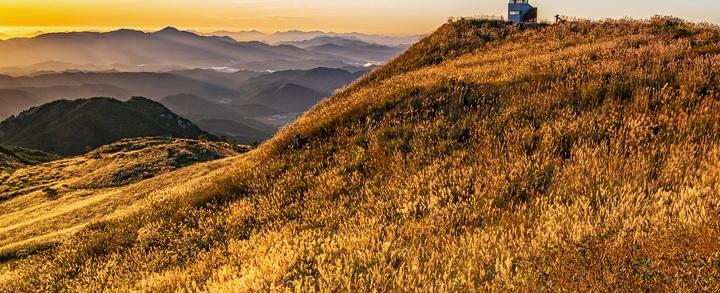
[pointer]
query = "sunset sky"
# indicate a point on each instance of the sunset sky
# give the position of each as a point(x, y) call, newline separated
point(19, 17)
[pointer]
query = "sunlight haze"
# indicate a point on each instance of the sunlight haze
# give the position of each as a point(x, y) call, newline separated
point(23, 17)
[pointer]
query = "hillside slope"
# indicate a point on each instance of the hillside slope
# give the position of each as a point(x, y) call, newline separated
point(12, 157)
point(39, 204)
point(577, 156)
point(72, 127)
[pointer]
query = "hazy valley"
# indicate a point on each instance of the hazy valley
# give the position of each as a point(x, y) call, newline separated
point(261, 102)
point(197, 76)
point(167, 49)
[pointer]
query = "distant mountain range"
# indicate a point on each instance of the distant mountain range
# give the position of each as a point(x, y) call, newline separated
point(46, 67)
point(244, 90)
point(323, 80)
point(171, 49)
point(71, 85)
point(158, 50)
point(268, 101)
point(223, 119)
point(350, 48)
point(210, 84)
point(296, 35)
point(251, 105)
point(288, 97)
point(72, 127)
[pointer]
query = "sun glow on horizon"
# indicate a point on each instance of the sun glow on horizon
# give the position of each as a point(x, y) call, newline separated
point(20, 18)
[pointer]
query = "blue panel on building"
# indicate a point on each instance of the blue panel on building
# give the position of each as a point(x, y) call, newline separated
point(520, 11)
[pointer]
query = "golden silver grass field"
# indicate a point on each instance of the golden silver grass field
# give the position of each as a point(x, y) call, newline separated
point(581, 156)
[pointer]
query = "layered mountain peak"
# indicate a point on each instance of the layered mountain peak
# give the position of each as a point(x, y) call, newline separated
point(168, 30)
point(169, 46)
point(126, 32)
point(67, 127)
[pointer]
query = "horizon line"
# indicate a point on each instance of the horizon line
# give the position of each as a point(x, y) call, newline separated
point(31, 31)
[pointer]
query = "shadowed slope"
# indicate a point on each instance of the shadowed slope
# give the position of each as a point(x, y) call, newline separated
point(72, 127)
point(12, 157)
point(577, 156)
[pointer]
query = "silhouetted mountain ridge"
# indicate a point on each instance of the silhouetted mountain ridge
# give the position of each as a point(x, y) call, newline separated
point(72, 127)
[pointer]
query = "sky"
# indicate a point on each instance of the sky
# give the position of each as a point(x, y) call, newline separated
point(397, 17)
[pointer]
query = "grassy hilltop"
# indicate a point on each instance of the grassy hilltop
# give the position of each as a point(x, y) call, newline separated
point(582, 155)
point(40, 204)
